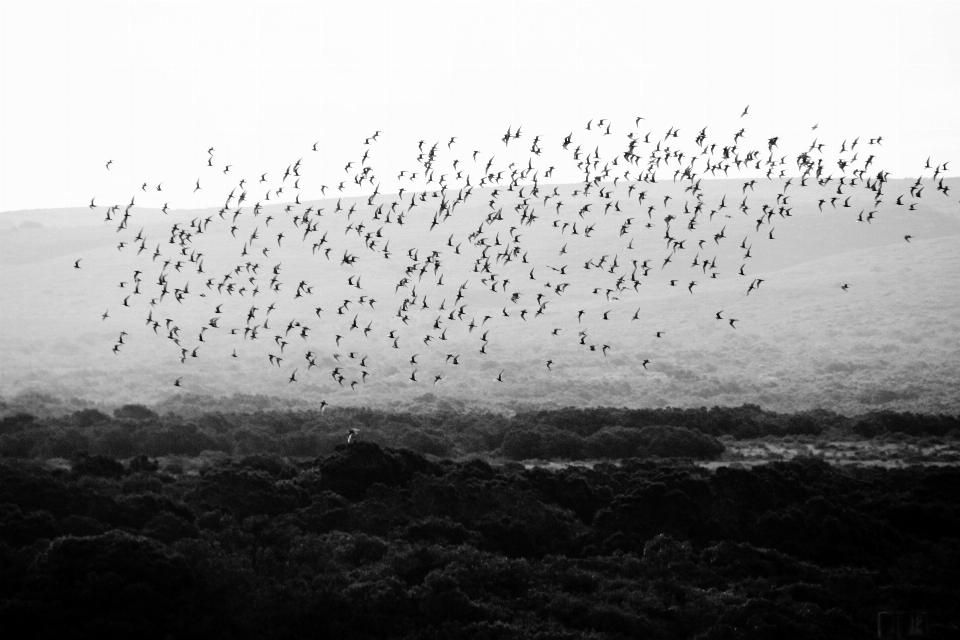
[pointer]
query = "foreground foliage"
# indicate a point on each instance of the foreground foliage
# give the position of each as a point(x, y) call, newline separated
point(375, 542)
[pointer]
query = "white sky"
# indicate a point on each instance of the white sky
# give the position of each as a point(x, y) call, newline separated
point(153, 85)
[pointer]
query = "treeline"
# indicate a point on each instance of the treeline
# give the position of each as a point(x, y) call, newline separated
point(570, 434)
point(135, 430)
point(373, 542)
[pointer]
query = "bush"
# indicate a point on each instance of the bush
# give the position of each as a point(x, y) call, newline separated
point(613, 443)
point(100, 466)
point(425, 443)
point(657, 441)
point(65, 444)
point(17, 422)
point(89, 417)
point(679, 442)
point(135, 412)
point(521, 444)
point(117, 443)
point(19, 445)
point(143, 464)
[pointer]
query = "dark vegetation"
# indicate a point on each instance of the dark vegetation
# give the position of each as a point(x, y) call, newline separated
point(285, 531)
point(444, 430)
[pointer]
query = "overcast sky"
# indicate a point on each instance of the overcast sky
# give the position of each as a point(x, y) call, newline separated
point(153, 85)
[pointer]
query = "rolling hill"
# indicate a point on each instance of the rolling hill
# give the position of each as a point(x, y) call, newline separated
point(799, 341)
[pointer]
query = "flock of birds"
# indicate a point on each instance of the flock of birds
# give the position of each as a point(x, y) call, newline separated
point(481, 249)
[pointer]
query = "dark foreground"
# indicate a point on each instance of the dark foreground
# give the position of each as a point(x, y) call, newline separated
point(374, 542)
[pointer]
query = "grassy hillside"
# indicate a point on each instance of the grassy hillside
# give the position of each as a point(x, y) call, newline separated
point(800, 340)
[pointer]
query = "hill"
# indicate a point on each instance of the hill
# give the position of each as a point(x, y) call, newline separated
point(799, 341)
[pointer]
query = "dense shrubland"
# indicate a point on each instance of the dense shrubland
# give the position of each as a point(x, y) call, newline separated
point(377, 542)
point(236, 518)
point(30, 429)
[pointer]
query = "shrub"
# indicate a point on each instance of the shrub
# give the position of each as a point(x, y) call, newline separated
point(426, 443)
point(65, 444)
point(657, 441)
point(89, 417)
point(19, 445)
point(679, 442)
point(521, 444)
point(100, 466)
point(143, 464)
point(135, 412)
point(17, 422)
point(117, 443)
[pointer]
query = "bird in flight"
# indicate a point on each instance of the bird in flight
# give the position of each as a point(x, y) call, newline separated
point(591, 219)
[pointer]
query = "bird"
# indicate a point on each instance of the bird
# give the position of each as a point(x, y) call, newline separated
point(518, 219)
point(350, 434)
